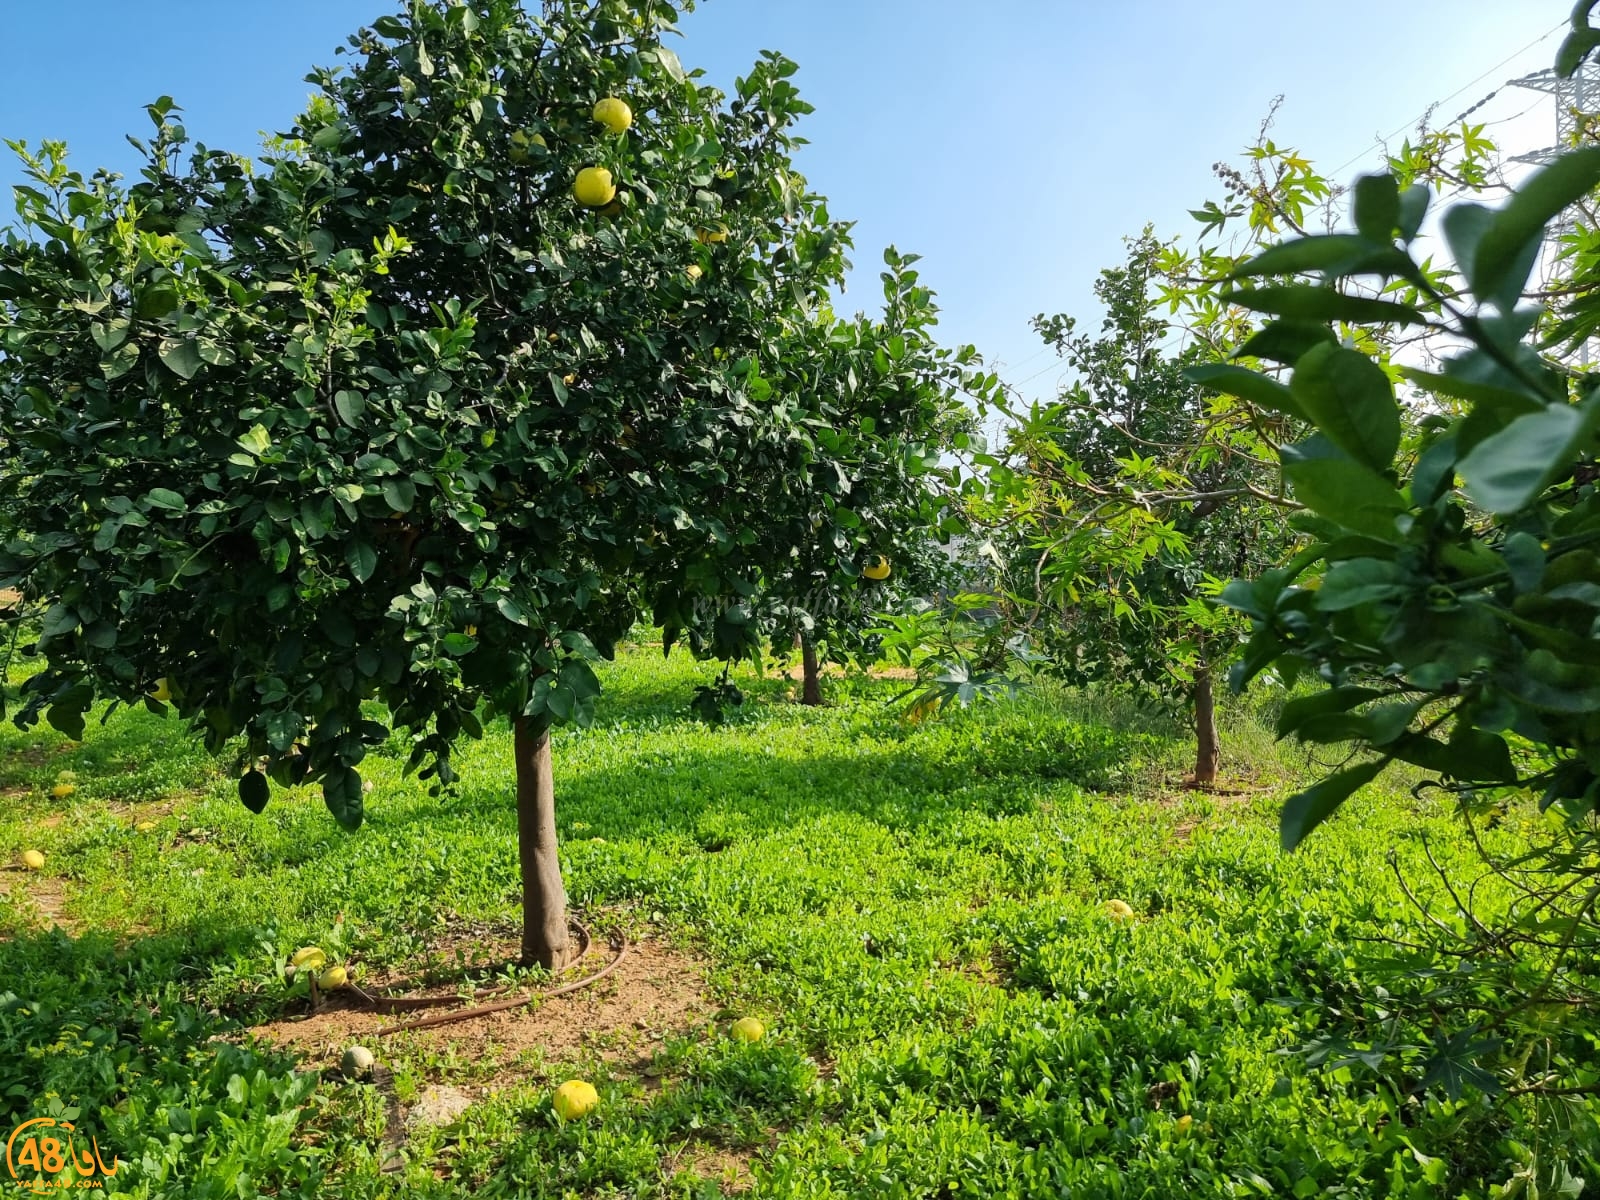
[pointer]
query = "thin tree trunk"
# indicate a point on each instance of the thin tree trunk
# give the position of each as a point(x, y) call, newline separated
point(544, 899)
point(811, 689)
point(1207, 745)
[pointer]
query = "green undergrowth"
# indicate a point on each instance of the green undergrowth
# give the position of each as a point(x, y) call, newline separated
point(915, 910)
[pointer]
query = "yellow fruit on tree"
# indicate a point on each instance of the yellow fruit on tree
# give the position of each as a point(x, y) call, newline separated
point(1119, 910)
point(710, 237)
point(877, 567)
point(162, 692)
point(614, 114)
point(748, 1029)
point(333, 979)
point(594, 187)
point(694, 272)
point(569, 380)
point(309, 958)
point(575, 1098)
point(32, 859)
point(521, 141)
point(471, 631)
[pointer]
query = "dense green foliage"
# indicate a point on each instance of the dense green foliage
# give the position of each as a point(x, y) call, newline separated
point(915, 910)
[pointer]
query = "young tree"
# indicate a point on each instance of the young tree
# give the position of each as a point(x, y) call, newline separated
point(420, 410)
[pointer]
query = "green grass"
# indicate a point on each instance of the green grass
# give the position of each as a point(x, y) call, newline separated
point(916, 911)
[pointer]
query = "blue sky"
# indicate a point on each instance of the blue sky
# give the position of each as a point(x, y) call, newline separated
point(1012, 143)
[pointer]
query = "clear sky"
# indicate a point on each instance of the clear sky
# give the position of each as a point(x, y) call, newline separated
point(1012, 143)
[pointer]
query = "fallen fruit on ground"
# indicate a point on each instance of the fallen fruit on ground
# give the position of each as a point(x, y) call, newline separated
point(309, 958)
point(748, 1029)
point(62, 790)
point(1119, 910)
point(575, 1098)
point(1184, 1123)
point(877, 567)
point(593, 188)
point(357, 1062)
point(32, 859)
point(145, 827)
point(614, 114)
point(333, 979)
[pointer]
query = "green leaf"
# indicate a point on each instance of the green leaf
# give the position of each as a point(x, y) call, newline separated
point(254, 791)
point(256, 441)
point(1376, 206)
point(181, 356)
point(341, 792)
point(400, 494)
point(1307, 303)
point(1350, 399)
point(362, 560)
point(1413, 208)
point(1286, 342)
point(1504, 472)
point(1247, 385)
point(1330, 482)
point(1333, 254)
point(1360, 582)
point(350, 406)
point(1304, 812)
point(166, 498)
point(1576, 47)
point(511, 610)
point(1506, 252)
point(1335, 700)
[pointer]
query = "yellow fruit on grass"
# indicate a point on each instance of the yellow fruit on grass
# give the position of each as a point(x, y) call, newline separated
point(748, 1029)
point(877, 567)
point(694, 272)
point(32, 859)
point(145, 827)
point(594, 187)
point(162, 692)
point(614, 114)
point(1119, 910)
point(62, 790)
point(710, 237)
point(333, 979)
point(575, 1098)
point(309, 958)
point(1184, 1123)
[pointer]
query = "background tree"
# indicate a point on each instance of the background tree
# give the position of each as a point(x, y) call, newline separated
point(1115, 591)
point(419, 411)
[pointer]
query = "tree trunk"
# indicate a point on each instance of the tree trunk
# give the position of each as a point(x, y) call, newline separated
point(1207, 746)
point(811, 688)
point(544, 900)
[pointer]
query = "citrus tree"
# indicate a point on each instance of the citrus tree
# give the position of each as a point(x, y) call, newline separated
point(858, 524)
point(421, 410)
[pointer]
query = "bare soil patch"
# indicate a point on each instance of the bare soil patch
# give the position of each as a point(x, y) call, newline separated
point(729, 1169)
point(45, 895)
point(658, 991)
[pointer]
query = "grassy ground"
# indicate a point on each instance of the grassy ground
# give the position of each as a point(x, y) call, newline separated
point(916, 912)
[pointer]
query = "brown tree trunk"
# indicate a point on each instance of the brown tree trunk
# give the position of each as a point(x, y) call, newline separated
point(1207, 746)
point(544, 899)
point(811, 687)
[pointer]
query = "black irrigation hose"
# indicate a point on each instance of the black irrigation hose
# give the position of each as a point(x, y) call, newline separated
point(484, 1010)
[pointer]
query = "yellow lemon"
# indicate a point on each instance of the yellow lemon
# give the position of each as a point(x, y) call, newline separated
point(594, 187)
point(1184, 1124)
point(694, 272)
point(32, 859)
point(472, 631)
point(569, 380)
point(309, 958)
point(1119, 910)
point(614, 114)
point(575, 1098)
point(553, 338)
point(877, 567)
point(145, 827)
point(748, 1029)
point(333, 979)
point(62, 790)
point(711, 237)
point(162, 692)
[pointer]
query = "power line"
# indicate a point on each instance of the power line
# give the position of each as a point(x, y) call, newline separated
point(1379, 142)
